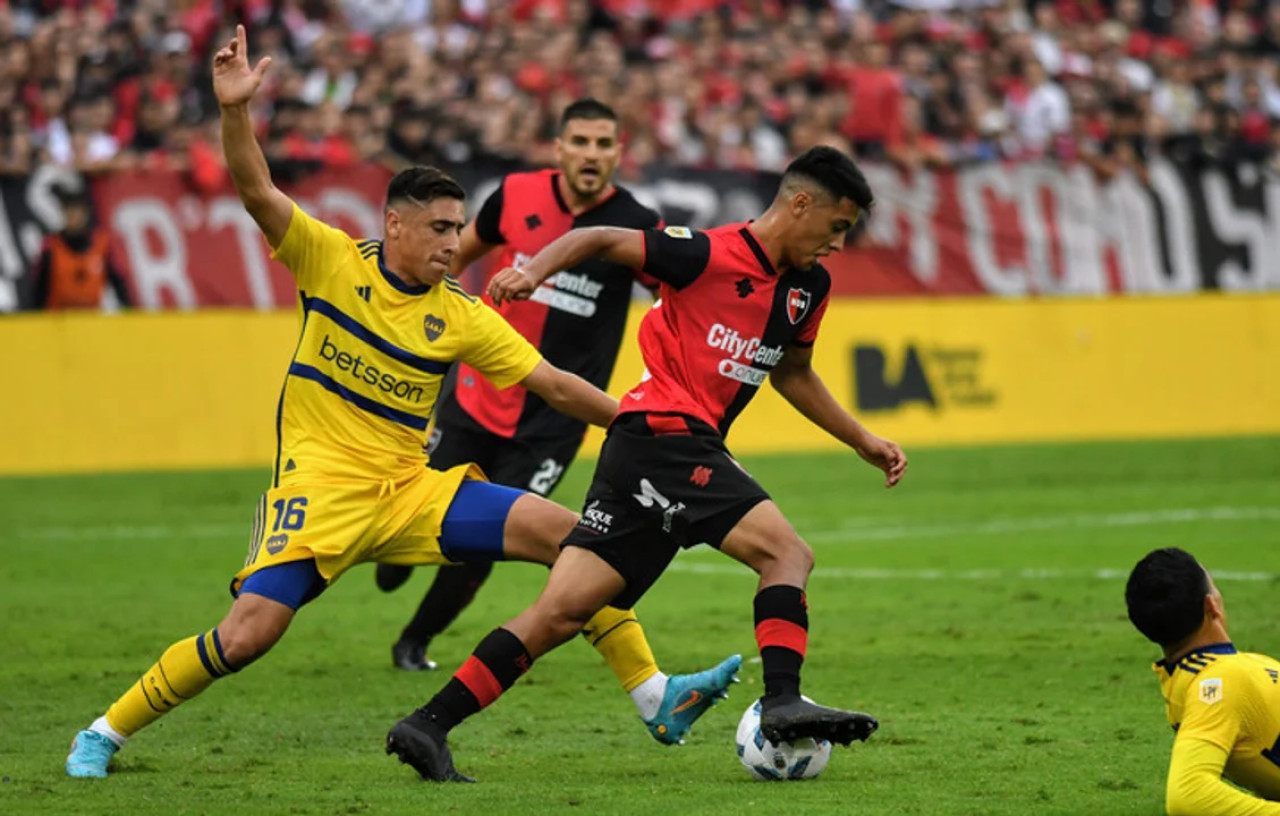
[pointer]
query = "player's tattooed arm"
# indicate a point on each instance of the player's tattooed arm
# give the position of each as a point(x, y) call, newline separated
point(570, 394)
point(234, 84)
point(624, 247)
point(799, 384)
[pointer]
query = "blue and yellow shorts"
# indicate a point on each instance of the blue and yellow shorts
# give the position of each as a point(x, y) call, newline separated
point(323, 528)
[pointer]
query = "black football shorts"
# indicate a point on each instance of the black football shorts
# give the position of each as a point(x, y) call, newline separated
point(663, 482)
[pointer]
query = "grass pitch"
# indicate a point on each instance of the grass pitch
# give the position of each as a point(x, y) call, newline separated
point(977, 610)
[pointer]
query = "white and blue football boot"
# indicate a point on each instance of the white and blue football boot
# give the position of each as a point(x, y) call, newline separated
point(688, 696)
point(91, 752)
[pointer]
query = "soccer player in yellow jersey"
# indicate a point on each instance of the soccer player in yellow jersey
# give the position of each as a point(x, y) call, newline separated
point(381, 324)
point(1224, 705)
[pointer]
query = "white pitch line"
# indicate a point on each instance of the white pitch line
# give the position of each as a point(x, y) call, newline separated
point(858, 530)
point(873, 574)
point(1021, 525)
point(862, 528)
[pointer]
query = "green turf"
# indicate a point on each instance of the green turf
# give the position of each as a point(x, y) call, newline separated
point(976, 610)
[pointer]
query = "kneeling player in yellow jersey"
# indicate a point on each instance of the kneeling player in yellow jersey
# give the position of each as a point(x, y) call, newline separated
point(381, 325)
point(1224, 705)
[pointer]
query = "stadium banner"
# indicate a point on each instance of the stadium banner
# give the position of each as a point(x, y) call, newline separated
point(28, 211)
point(1008, 230)
point(174, 391)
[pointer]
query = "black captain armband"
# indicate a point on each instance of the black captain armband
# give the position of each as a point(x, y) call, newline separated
point(676, 255)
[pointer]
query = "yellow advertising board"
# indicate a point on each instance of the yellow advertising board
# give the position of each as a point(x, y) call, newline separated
point(147, 390)
point(197, 390)
point(976, 371)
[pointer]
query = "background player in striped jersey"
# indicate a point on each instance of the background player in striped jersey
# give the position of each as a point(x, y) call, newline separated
point(576, 320)
point(738, 304)
point(1223, 705)
point(382, 322)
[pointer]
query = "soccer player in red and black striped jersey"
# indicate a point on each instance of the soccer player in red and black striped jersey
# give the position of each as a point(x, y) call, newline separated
point(738, 304)
point(576, 320)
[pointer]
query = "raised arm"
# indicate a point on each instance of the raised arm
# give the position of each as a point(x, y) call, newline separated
point(625, 247)
point(234, 83)
point(795, 379)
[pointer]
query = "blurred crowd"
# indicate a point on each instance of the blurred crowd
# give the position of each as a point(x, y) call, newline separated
point(102, 84)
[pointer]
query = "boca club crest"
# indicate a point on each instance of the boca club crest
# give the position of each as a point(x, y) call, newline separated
point(433, 326)
point(798, 301)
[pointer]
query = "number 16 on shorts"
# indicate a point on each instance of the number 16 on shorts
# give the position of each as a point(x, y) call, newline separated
point(272, 525)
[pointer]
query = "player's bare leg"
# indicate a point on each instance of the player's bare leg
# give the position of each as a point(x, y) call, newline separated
point(534, 529)
point(579, 586)
point(765, 541)
point(668, 705)
point(252, 626)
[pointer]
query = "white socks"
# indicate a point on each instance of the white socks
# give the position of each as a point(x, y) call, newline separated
point(648, 695)
point(101, 726)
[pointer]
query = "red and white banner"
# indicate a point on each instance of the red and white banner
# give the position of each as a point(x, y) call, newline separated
point(1007, 230)
point(1040, 229)
point(184, 250)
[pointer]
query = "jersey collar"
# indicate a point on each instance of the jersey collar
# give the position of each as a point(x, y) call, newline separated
point(395, 281)
point(1216, 648)
point(762, 257)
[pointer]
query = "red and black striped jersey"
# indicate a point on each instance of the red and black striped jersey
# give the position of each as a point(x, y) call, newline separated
point(723, 320)
point(576, 318)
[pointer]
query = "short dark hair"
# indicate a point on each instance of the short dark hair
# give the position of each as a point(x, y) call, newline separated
point(587, 108)
point(423, 185)
point(831, 171)
point(1165, 595)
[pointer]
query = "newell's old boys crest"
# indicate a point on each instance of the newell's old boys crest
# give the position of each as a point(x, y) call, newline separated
point(797, 304)
point(433, 326)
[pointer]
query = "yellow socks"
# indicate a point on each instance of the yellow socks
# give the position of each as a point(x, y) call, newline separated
point(186, 668)
point(619, 638)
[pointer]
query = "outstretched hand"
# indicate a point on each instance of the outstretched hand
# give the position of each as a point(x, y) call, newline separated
point(887, 456)
point(233, 81)
point(511, 284)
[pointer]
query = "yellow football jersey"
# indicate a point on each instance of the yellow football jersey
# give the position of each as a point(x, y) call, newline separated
point(1232, 700)
point(372, 355)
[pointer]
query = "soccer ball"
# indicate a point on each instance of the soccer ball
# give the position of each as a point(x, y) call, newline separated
point(802, 759)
